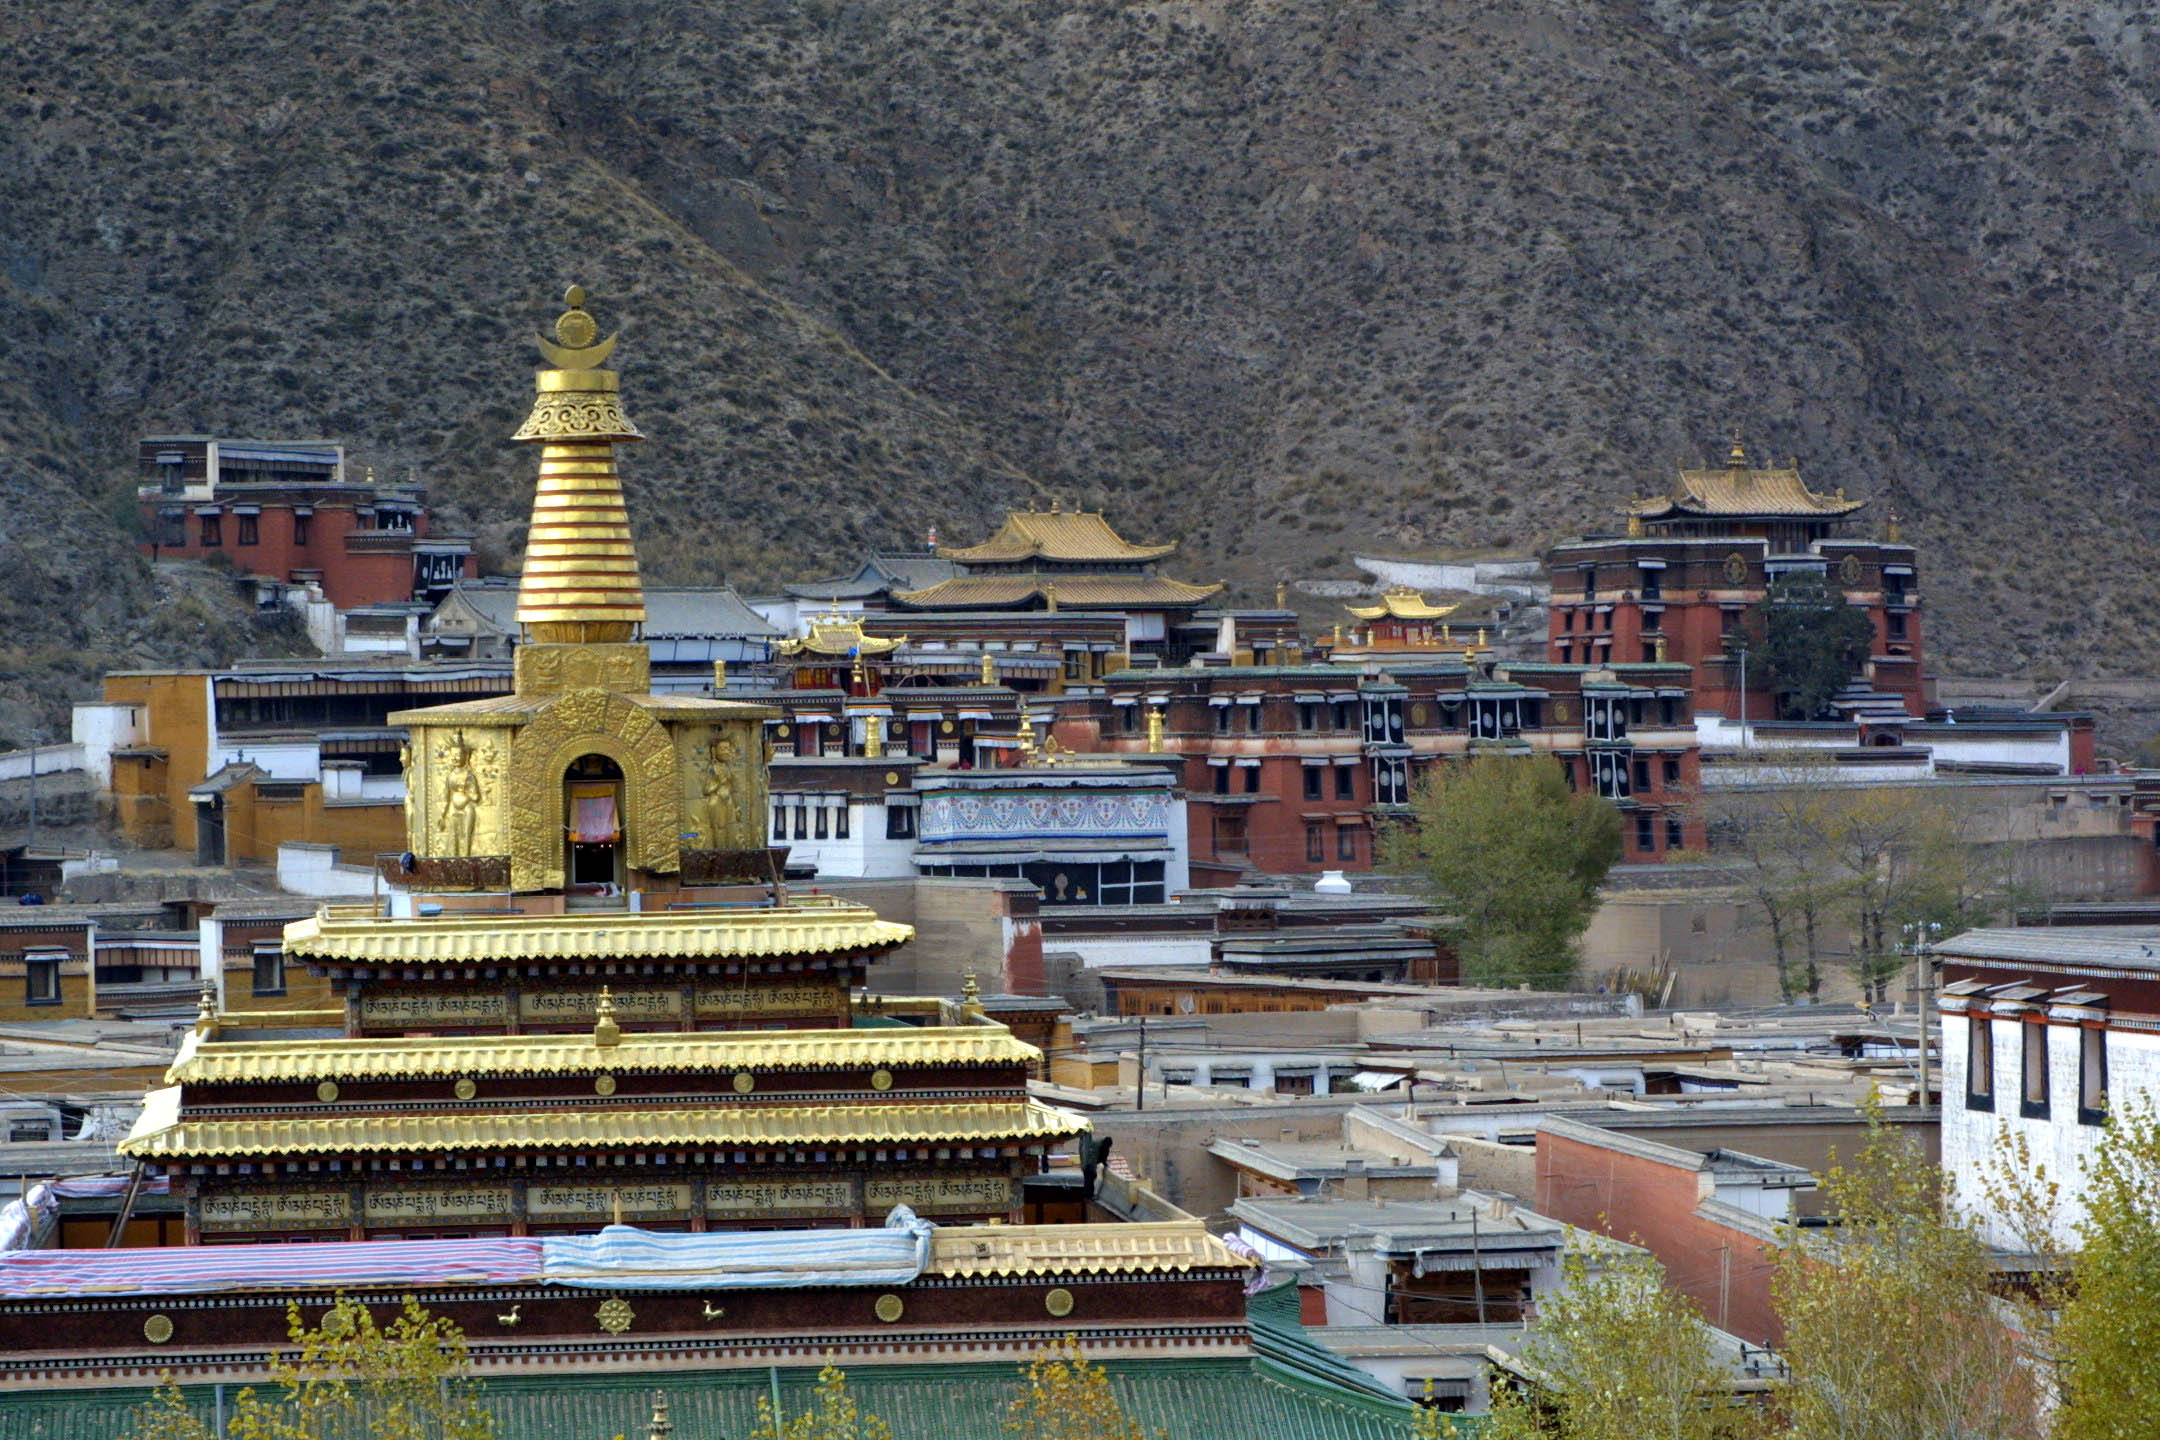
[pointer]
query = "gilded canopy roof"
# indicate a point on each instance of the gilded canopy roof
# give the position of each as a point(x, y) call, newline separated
point(840, 635)
point(1068, 535)
point(1740, 489)
point(1402, 602)
point(834, 928)
point(163, 1133)
point(1080, 592)
point(228, 1062)
point(1147, 1248)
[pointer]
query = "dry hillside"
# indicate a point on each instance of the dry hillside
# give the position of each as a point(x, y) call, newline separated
point(1279, 279)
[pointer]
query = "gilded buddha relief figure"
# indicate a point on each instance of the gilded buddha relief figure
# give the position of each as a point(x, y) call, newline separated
point(463, 793)
point(718, 803)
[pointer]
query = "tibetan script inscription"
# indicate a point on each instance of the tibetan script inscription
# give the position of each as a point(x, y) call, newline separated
point(744, 1199)
point(277, 1210)
point(785, 999)
point(576, 1006)
point(403, 1206)
point(597, 1202)
point(941, 1194)
point(377, 1010)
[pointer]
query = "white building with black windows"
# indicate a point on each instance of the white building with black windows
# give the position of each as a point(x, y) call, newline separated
point(2044, 1032)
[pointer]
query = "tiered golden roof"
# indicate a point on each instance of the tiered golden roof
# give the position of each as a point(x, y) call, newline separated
point(235, 1062)
point(162, 1134)
point(361, 937)
point(1068, 536)
point(1074, 592)
point(1741, 489)
point(1402, 602)
point(581, 573)
point(841, 636)
point(1148, 1248)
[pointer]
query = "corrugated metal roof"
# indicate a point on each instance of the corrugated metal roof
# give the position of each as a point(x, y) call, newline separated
point(822, 930)
point(161, 1134)
point(2109, 947)
point(228, 1062)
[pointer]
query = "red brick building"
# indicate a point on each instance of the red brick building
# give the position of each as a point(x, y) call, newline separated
point(1678, 585)
point(1288, 768)
point(285, 511)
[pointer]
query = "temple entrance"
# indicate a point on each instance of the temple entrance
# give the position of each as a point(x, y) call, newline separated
point(592, 813)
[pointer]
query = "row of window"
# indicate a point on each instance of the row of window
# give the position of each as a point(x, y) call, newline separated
point(827, 821)
point(2034, 1100)
point(1346, 843)
point(1315, 780)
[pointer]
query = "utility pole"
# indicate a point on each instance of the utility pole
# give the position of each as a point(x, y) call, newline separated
point(1140, 1077)
point(1746, 735)
point(1477, 1266)
point(33, 786)
point(1923, 948)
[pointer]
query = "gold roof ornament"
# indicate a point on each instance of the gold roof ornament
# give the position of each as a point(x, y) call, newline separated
point(989, 668)
point(971, 996)
point(1895, 532)
point(206, 1008)
point(605, 1031)
point(580, 583)
point(661, 1427)
point(1402, 602)
point(840, 635)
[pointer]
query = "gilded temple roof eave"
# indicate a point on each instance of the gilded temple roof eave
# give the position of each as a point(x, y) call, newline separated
point(746, 934)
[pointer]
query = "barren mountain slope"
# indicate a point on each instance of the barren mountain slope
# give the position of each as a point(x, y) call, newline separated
point(1280, 279)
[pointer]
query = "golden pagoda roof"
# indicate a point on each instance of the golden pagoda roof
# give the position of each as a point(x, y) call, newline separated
point(231, 1062)
point(1073, 592)
point(162, 1133)
point(1066, 535)
point(358, 935)
point(840, 635)
point(1146, 1248)
point(1402, 602)
point(580, 566)
point(1741, 489)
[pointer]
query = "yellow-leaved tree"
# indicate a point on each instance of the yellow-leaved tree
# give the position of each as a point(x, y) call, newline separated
point(833, 1415)
point(1064, 1397)
point(347, 1375)
point(1893, 1328)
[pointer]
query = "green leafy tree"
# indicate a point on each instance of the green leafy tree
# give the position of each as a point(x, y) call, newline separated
point(1063, 1397)
point(349, 1375)
point(833, 1415)
point(1502, 842)
point(1808, 642)
point(1617, 1355)
point(1892, 1326)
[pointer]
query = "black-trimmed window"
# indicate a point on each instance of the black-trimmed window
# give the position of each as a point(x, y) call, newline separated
point(250, 532)
point(2033, 1069)
point(802, 821)
point(1672, 773)
point(779, 820)
point(1979, 1063)
point(1129, 719)
point(1314, 778)
point(899, 822)
point(1642, 774)
point(269, 977)
point(1346, 782)
point(213, 530)
point(300, 528)
point(2092, 1075)
point(41, 979)
point(1308, 715)
point(1346, 842)
point(1252, 778)
point(1252, 717)
point(823, 822)
point(1645, 835)
point(840, 820)
point(1222, 719)
point(1315, 845)
point(1675, 835)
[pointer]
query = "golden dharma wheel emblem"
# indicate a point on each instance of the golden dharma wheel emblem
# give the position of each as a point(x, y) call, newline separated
point(327, 1091)
point(892, 777)
point(157, 1329)
point(745, 1082)
point(614, 1315)
point(465, 1089)
point(605, 1085)
point(1736, 567)
point(1849, 572)
point(881, 1079)
point(890, 1308)
point(1059, 1303)
point(1419, 715)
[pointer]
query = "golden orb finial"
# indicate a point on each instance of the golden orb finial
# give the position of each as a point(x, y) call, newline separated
point(577, 331)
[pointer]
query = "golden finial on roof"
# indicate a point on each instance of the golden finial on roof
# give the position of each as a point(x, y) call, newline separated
point(1896, 530)
point(661, 1427)
point(1282, 594)
point(605, 1031)
point(371, 477)
point(1660, 649)
point(989, 668)
point(576, 330)
point(970, 996)
point(1634, 525)
point(1056, 505)
point(206, 1008)
point(1738, 458)
point(1050, 597)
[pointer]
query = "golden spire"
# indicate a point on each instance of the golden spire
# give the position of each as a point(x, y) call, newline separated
point(1737, 460)
point(661, 1427)
point(605, 1031)
point(971, 997)
point(581, 574)
point(989, 669)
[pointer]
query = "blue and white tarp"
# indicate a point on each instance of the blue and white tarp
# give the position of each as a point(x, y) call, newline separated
point(624, 1257)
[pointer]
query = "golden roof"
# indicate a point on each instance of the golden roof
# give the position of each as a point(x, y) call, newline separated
point(581, 570)
point(841, 635)
point(161, 1133)
point(1067, 535)
point(1402, 602)
point(230, 1062)
point(1742, 490)
point(1147, 1248)
point(1077, 592)
point(359, 936)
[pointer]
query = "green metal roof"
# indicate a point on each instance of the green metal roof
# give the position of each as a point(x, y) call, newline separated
point(1191, 1399)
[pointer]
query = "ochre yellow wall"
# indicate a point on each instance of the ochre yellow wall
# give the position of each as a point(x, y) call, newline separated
point(177, 707)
